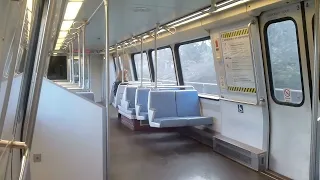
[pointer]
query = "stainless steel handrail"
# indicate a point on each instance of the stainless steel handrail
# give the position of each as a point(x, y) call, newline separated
point(13, 144)
point(252, 22)
point(141, 62)
point(314, 144)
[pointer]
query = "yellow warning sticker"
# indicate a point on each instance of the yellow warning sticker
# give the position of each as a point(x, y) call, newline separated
point(242, 89)
point(239, 32)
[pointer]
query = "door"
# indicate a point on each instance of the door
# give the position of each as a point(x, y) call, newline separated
point(286, 69)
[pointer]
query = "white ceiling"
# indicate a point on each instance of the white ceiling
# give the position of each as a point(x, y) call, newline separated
point(131, 17)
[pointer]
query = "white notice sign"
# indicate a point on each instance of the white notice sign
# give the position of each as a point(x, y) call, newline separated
point(236, 50)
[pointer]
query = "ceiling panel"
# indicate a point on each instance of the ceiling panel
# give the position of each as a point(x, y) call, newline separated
point(131, 17)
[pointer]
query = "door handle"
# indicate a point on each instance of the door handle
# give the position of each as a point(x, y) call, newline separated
point(262, 100)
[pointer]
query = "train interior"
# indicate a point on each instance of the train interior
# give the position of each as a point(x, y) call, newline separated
point(162, 90)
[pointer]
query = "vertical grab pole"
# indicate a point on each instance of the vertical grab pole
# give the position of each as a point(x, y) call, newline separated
point(70, 72)
point(117, 59)
point(314, 145)
point(79, 61)
point(70, 57)
point(141, 71)
point(107, 90)
point(72, 62)
point(83, 56)
point(122, 63)
point(156, 56)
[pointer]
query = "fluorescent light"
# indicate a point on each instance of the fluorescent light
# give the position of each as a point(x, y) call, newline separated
point(29, 4)
point(185, 18)
point(224, 3)
point(161, 31)
point(231, 5)
point(66, 25)
point(60, 41)
point(57, 47)
point(72, 10)
point(63, 34)
point(191, 20)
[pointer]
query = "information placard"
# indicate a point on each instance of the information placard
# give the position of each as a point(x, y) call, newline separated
point(238, 64)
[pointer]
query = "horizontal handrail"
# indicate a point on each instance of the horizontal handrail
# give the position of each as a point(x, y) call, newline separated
point(164, 87)
point(13, 144)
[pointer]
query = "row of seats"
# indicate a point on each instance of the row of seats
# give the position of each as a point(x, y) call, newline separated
point(164, 107)
point(177, 108)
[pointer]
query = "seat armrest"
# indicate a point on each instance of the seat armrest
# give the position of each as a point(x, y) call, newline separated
point(138, 109)
point(152, 113)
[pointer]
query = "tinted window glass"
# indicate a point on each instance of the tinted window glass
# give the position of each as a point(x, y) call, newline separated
point(198, 66)
point(284, 61)
point(145, 69)
point(166, 69)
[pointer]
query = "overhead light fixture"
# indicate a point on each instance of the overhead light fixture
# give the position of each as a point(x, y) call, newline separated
point(63, 34)
point(60, 41)
point(29, 4)
point(217, 7)
point(191, 20)
point(224, 3)
point(72, 10)
point(57, 47)
point(71, 13)
point(184, 19)
point(228, 5)
point(66, 25)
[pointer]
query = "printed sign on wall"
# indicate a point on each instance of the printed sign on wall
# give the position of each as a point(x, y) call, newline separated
point(240, 108)
point(287, 95)
point(238, 64)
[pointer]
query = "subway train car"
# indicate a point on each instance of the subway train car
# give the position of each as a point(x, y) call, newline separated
point(159, 90)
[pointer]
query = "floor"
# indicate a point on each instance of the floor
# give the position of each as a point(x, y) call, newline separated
point(168, 156)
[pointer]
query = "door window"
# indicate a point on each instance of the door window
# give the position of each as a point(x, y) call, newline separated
point(284, 62)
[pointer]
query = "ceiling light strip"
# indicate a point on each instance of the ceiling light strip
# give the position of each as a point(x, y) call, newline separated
point(221, 6)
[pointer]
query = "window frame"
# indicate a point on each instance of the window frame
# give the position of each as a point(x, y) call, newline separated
point(134, 68)
point(173, 61)
point(179, 67)
point(272, 88)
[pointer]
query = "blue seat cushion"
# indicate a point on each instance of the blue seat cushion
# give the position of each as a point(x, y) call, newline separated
point(187, 103)
point(130, 111)
point(172, 121)
point(197, 121)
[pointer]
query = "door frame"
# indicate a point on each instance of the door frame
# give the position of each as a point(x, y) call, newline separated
point(268, 17)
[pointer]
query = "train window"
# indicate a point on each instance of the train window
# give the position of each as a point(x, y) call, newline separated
point(76, 70)
point(284, 62)
point(197, 65)
point(145, 68)
point(57, 68)
point(166, 68)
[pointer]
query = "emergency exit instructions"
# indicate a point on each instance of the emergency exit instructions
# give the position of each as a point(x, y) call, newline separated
point(236, 50)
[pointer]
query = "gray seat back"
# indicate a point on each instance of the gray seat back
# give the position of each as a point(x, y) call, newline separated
point(130, 95)
point(187, 103)
point(163, 102)
point(142, 98)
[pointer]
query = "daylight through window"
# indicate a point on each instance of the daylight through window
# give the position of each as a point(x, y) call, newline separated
point(166, 69)
point(137, 62)
point(284, 61)
point(198, 66)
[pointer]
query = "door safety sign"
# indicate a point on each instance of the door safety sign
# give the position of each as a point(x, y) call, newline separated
point(287, 95)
